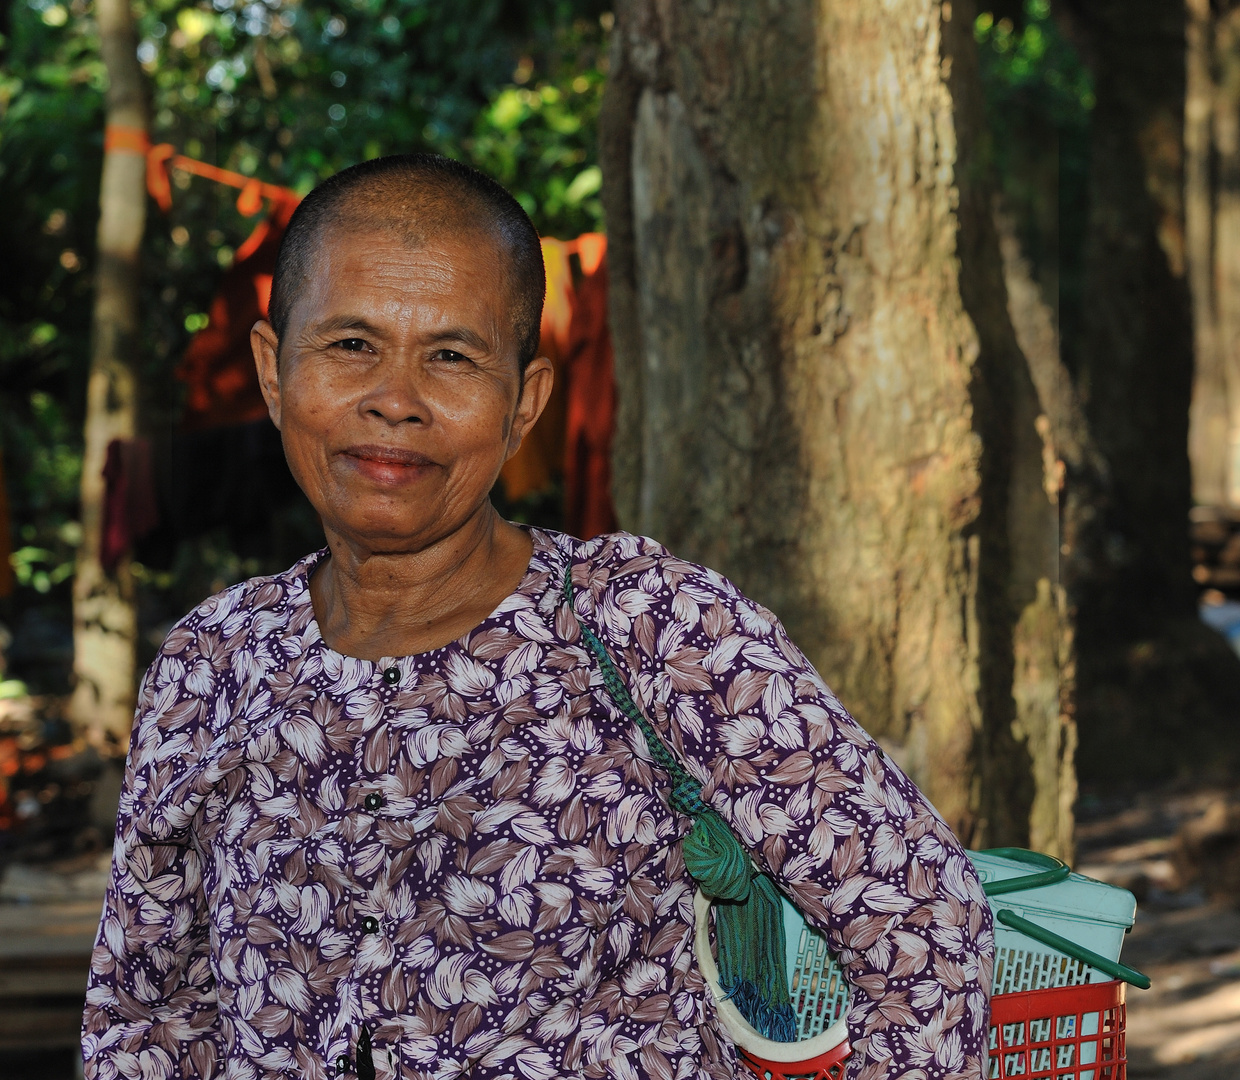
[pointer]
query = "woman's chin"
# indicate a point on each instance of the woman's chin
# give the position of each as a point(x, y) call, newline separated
point(384, 528)
point(383, 535)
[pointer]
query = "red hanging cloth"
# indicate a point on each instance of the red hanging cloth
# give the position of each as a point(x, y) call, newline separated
point(218, 366)
point(129, 504)
point(590, 386)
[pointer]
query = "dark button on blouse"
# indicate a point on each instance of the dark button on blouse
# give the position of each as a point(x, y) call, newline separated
point(374, 801)
point(391, 676)
point(370, 925)
point(342, 1064)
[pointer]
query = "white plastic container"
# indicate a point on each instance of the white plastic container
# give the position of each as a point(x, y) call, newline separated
point(1088, 912)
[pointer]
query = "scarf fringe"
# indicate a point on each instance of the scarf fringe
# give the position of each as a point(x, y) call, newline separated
point(775, 1022)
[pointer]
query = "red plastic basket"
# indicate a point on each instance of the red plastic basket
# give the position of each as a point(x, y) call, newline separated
point(1066, 1033)
point(828, 1066)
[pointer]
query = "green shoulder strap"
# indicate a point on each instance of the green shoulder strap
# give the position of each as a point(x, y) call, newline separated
point(749, 920)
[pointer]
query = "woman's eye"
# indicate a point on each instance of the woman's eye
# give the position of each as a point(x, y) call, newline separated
point(353, 344)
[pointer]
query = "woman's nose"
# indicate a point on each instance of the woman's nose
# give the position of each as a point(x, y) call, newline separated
point(396, 397)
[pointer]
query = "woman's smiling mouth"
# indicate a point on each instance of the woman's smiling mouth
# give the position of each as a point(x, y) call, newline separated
point(388, 464)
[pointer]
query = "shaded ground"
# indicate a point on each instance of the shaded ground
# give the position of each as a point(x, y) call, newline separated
point(1187, 1025)
point(48, 919)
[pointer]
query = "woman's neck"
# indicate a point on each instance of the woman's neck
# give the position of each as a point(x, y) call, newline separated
point(374, 603)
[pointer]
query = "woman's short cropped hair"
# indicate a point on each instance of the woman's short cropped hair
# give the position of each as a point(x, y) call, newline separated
point(417, 196)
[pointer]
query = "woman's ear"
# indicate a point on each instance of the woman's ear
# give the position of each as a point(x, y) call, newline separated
point(266, 348)
point(536, 384)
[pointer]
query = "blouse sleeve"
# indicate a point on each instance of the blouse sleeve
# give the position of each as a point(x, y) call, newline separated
point(846, 834)
point(150, 1002)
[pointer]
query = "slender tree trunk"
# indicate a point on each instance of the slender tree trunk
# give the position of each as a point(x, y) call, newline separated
point(1212, 138)
point(104, 617)
point(1226, 238)
point(1209, 422)
point(1045, 655)
point(821, 393)
point(1134, 363)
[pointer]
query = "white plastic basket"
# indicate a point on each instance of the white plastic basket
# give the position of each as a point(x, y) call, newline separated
point(1087, 912)
point(816, 981)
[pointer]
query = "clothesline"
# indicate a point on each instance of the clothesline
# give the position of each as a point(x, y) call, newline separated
point(163, 157)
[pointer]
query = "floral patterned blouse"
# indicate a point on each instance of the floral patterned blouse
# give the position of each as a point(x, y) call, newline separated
point(460, 863)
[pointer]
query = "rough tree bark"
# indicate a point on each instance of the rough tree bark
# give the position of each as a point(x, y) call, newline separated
point(821, 393)
point(104, 616)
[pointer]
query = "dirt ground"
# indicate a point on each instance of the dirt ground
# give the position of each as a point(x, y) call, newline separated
point(1187, 1025)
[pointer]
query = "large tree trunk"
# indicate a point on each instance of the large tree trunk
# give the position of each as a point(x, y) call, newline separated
point(820, 389)
point(104, 616)
point(1156, 690)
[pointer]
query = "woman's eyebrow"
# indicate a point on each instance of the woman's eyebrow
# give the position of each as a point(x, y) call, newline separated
point(463, 335)
point(347, 322)
point(459, 335)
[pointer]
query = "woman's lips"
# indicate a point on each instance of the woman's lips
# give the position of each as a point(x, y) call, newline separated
point(388, 464)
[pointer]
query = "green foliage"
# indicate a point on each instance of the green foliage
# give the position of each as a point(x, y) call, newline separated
point(51, 85)
point(295, 92)
point(46, 487)
point(539, 140)
point(1032, 66)
point(289, 91)
point(1038, 97)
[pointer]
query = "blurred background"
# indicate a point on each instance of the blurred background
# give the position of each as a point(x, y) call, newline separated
point(1093, 156)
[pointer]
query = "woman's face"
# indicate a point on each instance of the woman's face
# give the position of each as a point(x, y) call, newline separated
point(396, 388)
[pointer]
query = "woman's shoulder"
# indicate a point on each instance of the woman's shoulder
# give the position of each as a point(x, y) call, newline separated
point(265, 604)
point(638, 573)
point(615, 558)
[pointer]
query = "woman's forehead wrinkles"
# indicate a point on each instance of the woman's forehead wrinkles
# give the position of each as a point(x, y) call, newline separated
point(398, 269)
point(449, 290)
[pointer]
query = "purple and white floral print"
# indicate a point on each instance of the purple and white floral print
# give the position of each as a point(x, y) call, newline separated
point(465, 853)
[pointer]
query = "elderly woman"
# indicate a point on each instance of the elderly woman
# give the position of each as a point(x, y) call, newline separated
point(383, 818)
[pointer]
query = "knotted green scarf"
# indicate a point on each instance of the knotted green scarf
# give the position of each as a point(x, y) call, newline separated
point(749, 918)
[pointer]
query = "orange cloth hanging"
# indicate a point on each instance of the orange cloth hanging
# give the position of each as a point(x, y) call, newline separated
point(537, 464)
point(159, 159)
point(572, 439)
point(218, 367)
